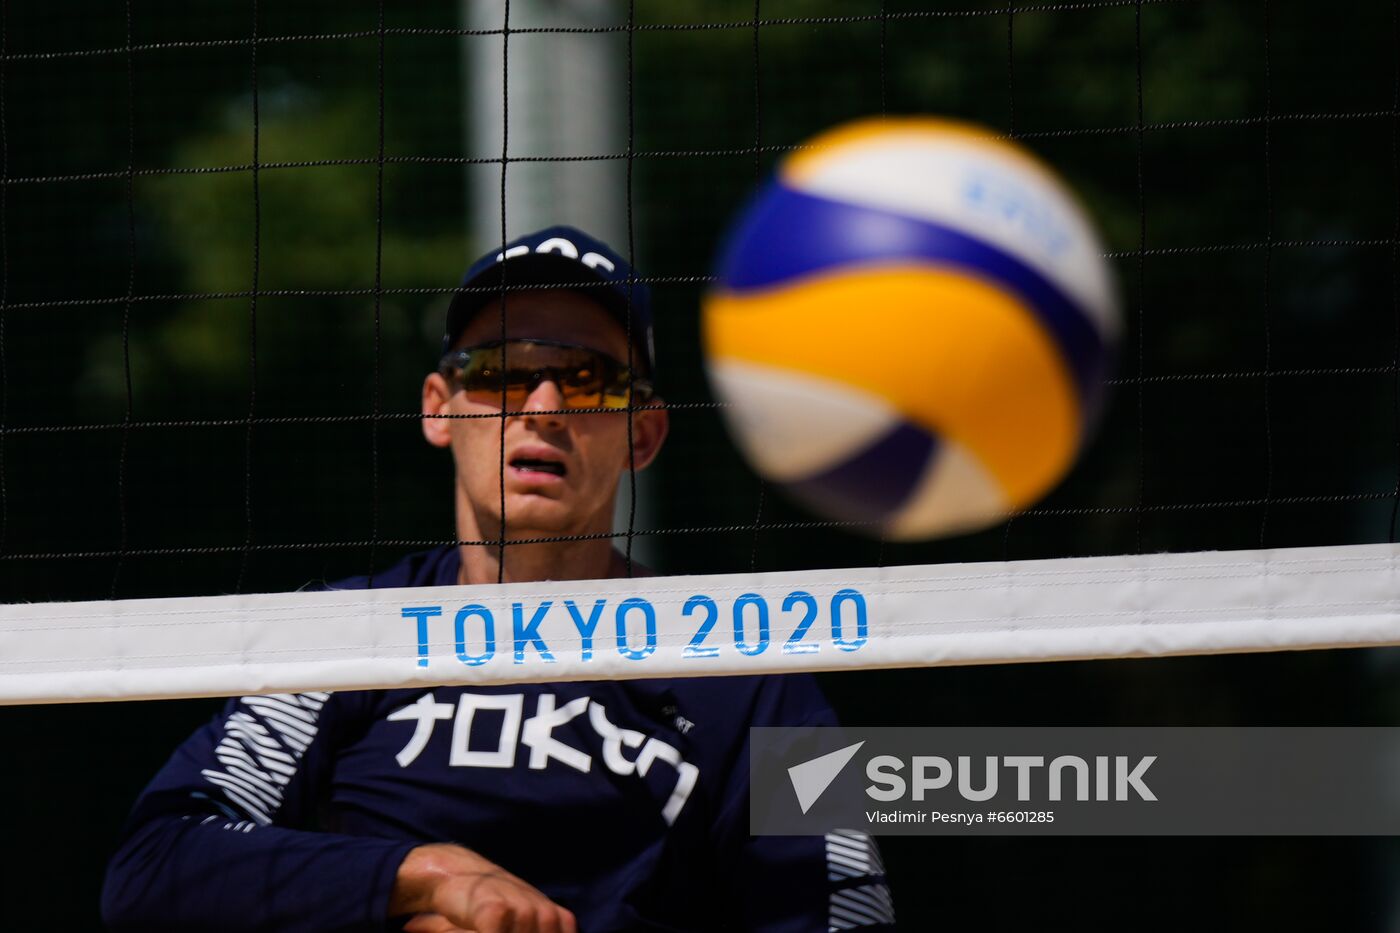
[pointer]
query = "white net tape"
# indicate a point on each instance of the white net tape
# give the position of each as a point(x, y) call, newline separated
point(825, 620)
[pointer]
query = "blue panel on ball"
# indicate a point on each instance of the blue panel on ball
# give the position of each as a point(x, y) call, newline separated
point(786, 234)
point(874, 483)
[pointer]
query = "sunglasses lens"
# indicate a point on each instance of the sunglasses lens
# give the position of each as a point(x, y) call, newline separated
point(581, 382)
point(615, 396)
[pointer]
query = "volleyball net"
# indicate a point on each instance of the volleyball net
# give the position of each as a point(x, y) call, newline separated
point(222, 292)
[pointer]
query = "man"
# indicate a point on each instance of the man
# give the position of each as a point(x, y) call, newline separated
point(545, 807)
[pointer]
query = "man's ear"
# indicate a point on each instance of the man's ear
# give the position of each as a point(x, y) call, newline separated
point(649, 429)
point(436, 395)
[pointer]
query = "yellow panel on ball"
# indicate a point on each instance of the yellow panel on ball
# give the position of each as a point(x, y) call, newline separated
point(953, 354)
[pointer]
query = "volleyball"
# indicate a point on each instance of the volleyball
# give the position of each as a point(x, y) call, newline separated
point(911, 326)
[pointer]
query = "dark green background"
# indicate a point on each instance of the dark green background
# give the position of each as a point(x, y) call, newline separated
point(1241, 158)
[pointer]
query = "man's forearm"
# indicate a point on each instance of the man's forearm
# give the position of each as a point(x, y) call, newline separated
point(194, 872)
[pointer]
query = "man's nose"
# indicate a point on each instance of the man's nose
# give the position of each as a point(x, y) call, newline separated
point(544, 403)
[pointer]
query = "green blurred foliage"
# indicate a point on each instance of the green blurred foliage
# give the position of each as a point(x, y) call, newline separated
point(316, 229)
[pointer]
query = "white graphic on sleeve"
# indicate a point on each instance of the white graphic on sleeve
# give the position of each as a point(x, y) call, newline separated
point(851, 853)
point(866, 906)
point(262, 744)
point(242, 826)
point(537, 734)
point(426, 711)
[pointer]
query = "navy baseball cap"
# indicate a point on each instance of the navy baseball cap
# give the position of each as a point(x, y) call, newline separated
point(558, 257)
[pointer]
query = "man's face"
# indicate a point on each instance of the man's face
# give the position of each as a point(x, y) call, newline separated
point(561, 470)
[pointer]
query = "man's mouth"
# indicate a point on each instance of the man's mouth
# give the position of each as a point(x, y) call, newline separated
point(532, 465)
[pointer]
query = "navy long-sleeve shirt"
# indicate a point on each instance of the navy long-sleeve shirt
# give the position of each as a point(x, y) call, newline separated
point(625, 802)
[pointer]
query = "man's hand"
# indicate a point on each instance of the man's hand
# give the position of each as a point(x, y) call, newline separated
point(451, 889)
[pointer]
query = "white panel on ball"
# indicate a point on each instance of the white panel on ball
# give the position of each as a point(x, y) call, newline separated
point(981, 189)
point(955, 494)
point(791, 425)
